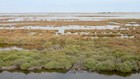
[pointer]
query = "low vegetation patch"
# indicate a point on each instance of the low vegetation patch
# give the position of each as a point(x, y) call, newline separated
point(65, 52)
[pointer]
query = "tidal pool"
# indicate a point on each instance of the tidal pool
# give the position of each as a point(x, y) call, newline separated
point(68, 75)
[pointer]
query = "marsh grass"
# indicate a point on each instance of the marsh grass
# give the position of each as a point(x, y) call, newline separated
point(62, 53)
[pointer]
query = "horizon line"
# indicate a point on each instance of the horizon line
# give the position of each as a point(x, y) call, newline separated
point(59, 12)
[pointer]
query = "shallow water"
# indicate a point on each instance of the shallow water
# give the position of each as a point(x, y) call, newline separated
point(68, 75)
point(136, 25)
point(10, 48)
point(70, 17)
point(62, 29)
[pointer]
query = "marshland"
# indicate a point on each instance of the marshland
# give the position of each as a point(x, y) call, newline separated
point(81, 43)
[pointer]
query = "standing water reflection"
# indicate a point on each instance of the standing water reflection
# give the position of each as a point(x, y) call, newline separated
point(68, 75)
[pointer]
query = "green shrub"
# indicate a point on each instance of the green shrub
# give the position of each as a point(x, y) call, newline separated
point(47, 45)
point(10, 58)
point(60, 64)
point(126, 66)
point(119, 54)
point(72, 50)
point(106, 65)
point(25, 66)
point(18, 62)
point(90, 64)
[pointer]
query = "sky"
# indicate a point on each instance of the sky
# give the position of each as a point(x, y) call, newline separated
point(31, 6)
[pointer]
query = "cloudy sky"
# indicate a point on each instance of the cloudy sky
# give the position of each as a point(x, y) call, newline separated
point(23, 6)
